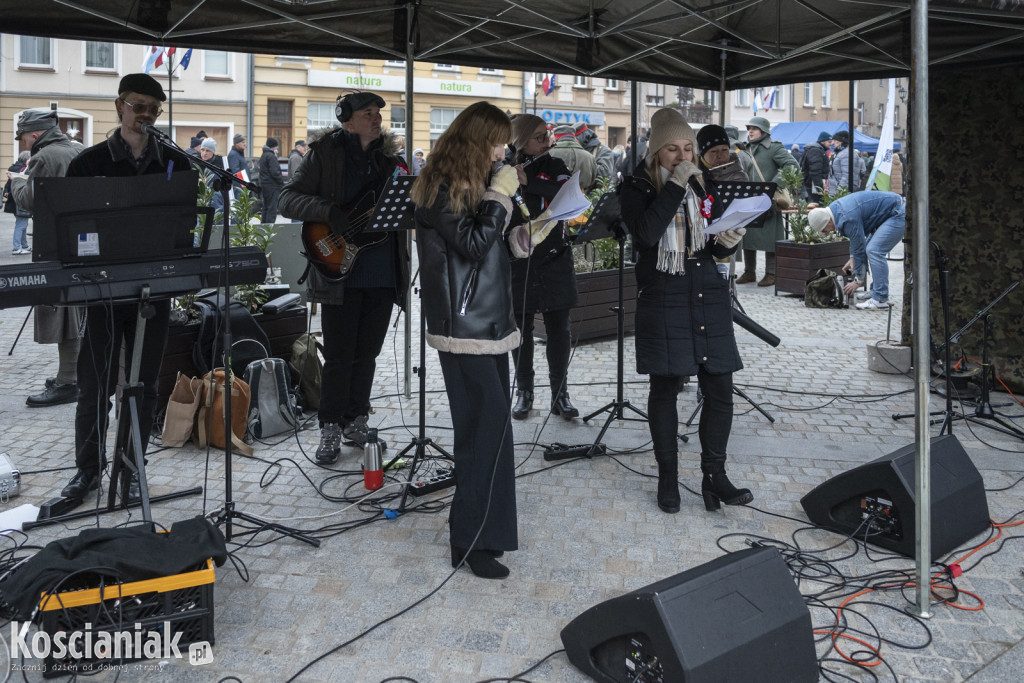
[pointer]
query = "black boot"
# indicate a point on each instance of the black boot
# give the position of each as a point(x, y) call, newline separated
point(717, 489)
point(524, 402)
point(481, 562)
point(561, 405)
point(668, 484)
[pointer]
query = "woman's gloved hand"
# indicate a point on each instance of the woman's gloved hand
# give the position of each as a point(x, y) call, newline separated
point(505, 181)
point(683, 172)
point(730, 238)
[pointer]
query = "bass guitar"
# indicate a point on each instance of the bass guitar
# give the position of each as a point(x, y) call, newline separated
point(333, 254)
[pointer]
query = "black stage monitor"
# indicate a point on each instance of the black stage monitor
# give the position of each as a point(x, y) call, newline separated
point(105, 221)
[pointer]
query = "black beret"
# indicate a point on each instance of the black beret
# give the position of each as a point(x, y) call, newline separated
point(144, 84)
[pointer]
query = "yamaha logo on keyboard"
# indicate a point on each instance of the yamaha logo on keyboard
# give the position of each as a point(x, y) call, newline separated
point(22, 281)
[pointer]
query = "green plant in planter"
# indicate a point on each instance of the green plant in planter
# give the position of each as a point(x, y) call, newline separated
point(247, 231)
point(800, 229)
point(601, 254)
point(792, 180)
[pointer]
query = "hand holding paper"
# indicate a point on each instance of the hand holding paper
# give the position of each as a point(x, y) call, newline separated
point(730, 238)
point(525, 237)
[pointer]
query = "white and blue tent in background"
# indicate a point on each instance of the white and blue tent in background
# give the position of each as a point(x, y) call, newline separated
point(803, 133)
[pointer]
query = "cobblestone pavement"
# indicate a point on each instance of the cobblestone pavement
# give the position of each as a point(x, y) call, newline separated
point(589, 529)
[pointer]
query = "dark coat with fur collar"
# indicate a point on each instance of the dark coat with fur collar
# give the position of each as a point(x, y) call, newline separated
point(323, 183)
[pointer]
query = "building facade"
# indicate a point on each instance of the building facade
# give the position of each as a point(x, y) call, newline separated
point(294, 97)
point(80, 79)
point(603, 104)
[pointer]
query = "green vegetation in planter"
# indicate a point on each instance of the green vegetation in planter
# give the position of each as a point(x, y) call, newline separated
point(800, 230)
point(601, 254)
point(792, 180)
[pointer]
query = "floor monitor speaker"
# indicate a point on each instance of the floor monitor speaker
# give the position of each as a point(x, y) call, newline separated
point(877, 502)
point(737, 618)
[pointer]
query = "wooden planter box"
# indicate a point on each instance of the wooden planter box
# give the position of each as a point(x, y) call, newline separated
point(598, 294)
point(282, 330)
point(796, 263)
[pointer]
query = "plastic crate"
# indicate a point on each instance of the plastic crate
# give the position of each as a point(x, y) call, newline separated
point(184, 600)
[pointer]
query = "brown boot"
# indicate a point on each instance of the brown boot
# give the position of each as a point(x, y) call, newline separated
point(746, 278)
point(767, 281)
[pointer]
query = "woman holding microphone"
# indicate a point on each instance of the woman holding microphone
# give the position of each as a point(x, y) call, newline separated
point(683, 317)
point(462, 209)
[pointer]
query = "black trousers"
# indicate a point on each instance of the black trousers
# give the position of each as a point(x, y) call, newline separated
point(478, 398)
point(559, 348)
point(105, 329)
point(268, 198)
point(354, 333)
point(715, 416)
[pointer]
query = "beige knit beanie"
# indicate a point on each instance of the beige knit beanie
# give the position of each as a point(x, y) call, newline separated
point(668, 125)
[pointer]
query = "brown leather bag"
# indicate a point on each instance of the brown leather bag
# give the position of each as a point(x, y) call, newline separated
point(209, 428)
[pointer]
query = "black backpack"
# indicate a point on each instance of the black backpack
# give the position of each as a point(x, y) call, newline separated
point(248, 340)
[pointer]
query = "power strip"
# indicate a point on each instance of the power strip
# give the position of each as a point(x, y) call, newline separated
point(560, 451)
point(442, 480)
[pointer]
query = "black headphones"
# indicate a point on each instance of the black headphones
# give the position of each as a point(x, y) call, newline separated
point(343, 108)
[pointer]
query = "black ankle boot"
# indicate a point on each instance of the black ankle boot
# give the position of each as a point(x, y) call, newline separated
point(668, 486)
point(561, 405)
point(716, 489)
point(481, 562)
point(524, 402)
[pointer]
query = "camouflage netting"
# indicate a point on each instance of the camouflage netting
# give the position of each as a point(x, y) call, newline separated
point(977, 210)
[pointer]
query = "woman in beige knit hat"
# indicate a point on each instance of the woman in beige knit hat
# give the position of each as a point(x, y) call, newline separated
point(684, 313)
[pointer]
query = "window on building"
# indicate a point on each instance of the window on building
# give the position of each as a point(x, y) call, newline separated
point(440, 119)
point(611, 84)
point(711, 98)
point(398, 120)
point(742, 98)
point(808, 94)
point(656, 95)
point(395, 63)
point(860, 113)
point(446, 67)
point(881, 114)
point(896, 113)
point(579, 81)
point(826, 95)
point(780, 97)
point(36, 52)
point(490, 72)
point(216, 64)
point(99, 56)
point(319, 115)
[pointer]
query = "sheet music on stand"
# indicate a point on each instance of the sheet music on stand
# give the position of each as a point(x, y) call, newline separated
point(730, 190)
point(604, 218)
point(394, 211)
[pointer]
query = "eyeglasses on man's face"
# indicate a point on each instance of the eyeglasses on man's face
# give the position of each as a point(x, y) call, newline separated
point(140, 108)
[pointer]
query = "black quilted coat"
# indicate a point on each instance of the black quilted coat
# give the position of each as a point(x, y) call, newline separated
point(682, 321)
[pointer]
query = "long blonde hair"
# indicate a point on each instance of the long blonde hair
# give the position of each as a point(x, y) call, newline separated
point(462, 158)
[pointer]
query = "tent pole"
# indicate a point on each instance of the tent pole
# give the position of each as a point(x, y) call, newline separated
point(410, 69)
point(921, 325)
point(849, 157)
point(721, 90)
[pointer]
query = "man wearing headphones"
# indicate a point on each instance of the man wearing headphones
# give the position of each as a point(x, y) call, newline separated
point(338, 172)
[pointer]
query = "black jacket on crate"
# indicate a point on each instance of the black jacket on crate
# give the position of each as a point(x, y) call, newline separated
point(682, 320)
point(548, 276)
point(466, 283)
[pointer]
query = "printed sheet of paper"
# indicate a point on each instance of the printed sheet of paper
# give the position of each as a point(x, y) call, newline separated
point(740, 212)
point(570, 200)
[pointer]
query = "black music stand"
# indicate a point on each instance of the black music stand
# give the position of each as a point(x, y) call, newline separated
point(606, 221)
point(394, 213)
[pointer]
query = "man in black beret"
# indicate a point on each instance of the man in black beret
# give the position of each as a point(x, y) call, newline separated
point(129, 151)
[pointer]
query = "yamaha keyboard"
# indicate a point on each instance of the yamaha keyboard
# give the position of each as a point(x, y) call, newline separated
point(50, 283)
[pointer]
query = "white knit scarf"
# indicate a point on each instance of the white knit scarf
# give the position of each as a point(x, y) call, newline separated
point(672, 248)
